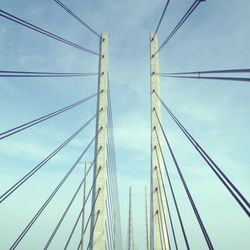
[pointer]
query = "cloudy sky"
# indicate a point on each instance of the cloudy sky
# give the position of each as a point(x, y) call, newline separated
point(216, 36)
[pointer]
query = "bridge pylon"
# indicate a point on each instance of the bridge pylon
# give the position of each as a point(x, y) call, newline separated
point(99, 215)
point(158, 232)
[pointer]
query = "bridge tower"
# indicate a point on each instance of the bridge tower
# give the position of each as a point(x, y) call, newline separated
point(98, 219)
point(158, 233)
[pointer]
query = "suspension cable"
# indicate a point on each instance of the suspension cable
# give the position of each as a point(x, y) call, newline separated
point(219, 173)
point(165, 195)
point(44, 32)
point(79, 215)
point(79, 245)
point(11, 73)
point(92, 210)
point(163, 13)
point(172, 192)
point(162, 205)
point(85, 228)
point(109, 240)
point(42, 163)
point(30, 224)
point(160, 219)
point(110, 208)
point(110, 203)
point(160, 231)
point(70, 203)
point(238, 79)
point(115, 197)
point(109, 211)
point(203, 229)
point(110, 183)
point(77, 17)
point(116, 181)
point(227, 71)
point(92, 231)
point(26, 125)
point(180, 23)
point(107, 228)
point(64, 214)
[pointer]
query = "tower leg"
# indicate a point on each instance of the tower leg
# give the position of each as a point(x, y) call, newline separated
point(100, 168)
point(158, 233)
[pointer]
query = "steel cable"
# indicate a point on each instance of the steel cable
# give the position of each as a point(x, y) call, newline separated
point(79, 215)
point(219, 173)
point(26, 125)
point(12, 73)
point(203, 229)
point(161, 221)
point(77, 17)
point(32, 221)
point(44, 32)
point(163, 13)
point(228, 71)
point(6, 194)
point(70, 203)
point(173, 194)
point(166, 200)
point(92, 231)
point(180, 23)
point(238, 79)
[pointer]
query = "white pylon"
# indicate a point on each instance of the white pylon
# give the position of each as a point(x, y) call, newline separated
point(158, 233)
point(98, 232)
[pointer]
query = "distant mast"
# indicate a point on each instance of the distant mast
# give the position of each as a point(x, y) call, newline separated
point(146, 218)
point(130, 223)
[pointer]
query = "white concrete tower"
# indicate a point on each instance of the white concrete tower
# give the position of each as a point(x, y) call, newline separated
point(100, 169)
point(158, 234)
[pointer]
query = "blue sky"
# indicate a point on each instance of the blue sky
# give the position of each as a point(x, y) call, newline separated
point(216, 36)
